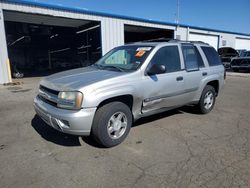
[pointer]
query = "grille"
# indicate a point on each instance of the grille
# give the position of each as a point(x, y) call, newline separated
point(238, 62)
point(47, 101)
point(49, 90)
point(48, 95)
point(226, 59)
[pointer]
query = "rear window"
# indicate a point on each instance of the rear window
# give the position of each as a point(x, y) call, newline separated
point(212, 56)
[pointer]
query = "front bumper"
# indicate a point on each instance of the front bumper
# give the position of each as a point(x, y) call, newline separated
point(227, 65)
point(241, 67)
point(67, 121)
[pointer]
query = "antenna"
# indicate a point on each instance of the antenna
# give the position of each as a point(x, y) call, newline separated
point(177, 12)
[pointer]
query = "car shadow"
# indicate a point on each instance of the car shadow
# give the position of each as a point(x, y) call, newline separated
point(59, 138)
point(52, 135)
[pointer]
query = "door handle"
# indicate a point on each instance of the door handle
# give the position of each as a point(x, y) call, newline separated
point(179, 78)
point(204, 74)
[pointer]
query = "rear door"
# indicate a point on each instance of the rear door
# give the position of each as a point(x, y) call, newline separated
point(194, 67)
point(164, 90)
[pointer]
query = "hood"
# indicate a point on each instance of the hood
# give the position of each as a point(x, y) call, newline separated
point(77, 78)
point(227, 52)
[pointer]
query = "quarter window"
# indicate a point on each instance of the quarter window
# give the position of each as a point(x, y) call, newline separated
point(168, 56)
point(212, 56)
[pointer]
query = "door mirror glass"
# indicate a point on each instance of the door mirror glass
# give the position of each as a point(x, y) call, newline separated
point(156, 69)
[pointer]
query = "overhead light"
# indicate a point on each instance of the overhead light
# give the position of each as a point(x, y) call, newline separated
point(19, 39)
point(81, 47)
point(84, 52)
point(98, 48)
point(56, 51)
point(84, 30)
point(96, 52)
point(52, 36)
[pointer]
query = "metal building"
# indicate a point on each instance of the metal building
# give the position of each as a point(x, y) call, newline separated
point(41, 38)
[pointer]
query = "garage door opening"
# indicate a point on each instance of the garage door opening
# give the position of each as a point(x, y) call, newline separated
point(138, 33)
point(41, 45)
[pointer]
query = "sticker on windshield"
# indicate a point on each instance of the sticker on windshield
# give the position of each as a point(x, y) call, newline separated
point(140, 53)
point(143, 49)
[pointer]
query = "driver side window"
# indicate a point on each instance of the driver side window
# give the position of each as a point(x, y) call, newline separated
point(169, 57)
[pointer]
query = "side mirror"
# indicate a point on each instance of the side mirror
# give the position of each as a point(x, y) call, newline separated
point(156, 69)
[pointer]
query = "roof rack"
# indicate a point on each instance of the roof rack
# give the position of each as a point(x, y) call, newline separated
point(171, 40)
point(198, 42)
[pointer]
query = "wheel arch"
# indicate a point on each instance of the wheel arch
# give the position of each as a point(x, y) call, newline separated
point(126, 99)
point(215, 84)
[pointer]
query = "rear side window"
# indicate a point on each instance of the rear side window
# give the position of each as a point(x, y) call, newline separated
point(199, 58)
point(168, 56)
point(190, 57)
point(212, 56)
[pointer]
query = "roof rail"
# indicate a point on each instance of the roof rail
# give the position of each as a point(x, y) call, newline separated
point(170, 40)
point(198, 42)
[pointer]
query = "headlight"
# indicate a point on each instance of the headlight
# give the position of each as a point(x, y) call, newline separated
point(70, 99)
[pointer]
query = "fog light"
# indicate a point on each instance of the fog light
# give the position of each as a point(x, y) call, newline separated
point(63, 123)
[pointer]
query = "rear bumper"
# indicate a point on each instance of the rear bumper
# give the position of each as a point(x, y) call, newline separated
point(67, 121)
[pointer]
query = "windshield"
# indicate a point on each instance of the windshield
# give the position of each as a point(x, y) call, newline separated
point(124, 58)
point(245, 54)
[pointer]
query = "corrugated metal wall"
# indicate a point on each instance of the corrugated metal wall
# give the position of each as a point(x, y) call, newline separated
point(112, 34)
point(3, 53)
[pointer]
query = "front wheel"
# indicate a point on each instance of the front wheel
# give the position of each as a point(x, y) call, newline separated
point(207, 100)
point(112, 124)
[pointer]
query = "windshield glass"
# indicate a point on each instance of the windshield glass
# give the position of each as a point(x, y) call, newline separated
point(245, 54)
point(124, 58)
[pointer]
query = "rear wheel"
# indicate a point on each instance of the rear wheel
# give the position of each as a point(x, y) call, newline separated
point(207, 100)
point(112, 124)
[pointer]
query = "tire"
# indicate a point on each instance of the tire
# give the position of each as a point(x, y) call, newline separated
point(116, 117)
point(207, 100)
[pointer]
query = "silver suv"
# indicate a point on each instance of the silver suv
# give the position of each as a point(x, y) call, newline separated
point(128, 83)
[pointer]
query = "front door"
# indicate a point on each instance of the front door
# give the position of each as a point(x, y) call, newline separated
point(164, 90)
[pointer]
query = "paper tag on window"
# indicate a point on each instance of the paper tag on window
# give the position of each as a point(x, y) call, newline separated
point(144, 49)
point(140, 53)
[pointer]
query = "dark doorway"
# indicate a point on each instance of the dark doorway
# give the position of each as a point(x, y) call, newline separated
point(41, 45)
point(138, 33)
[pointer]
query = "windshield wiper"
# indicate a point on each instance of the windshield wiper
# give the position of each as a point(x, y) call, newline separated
point(115, 67)
point(98, 66)
point(109, 66)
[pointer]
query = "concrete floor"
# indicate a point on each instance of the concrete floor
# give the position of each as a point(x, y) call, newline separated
point(173, 149)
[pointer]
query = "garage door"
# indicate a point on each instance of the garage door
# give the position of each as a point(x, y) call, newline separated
point(210, 39)
point(242, 43)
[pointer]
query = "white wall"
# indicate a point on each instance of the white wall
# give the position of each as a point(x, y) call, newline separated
point(4, 78)
point(227, 40)
point(182, 33)
point(112, 34)
point(242, 43)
